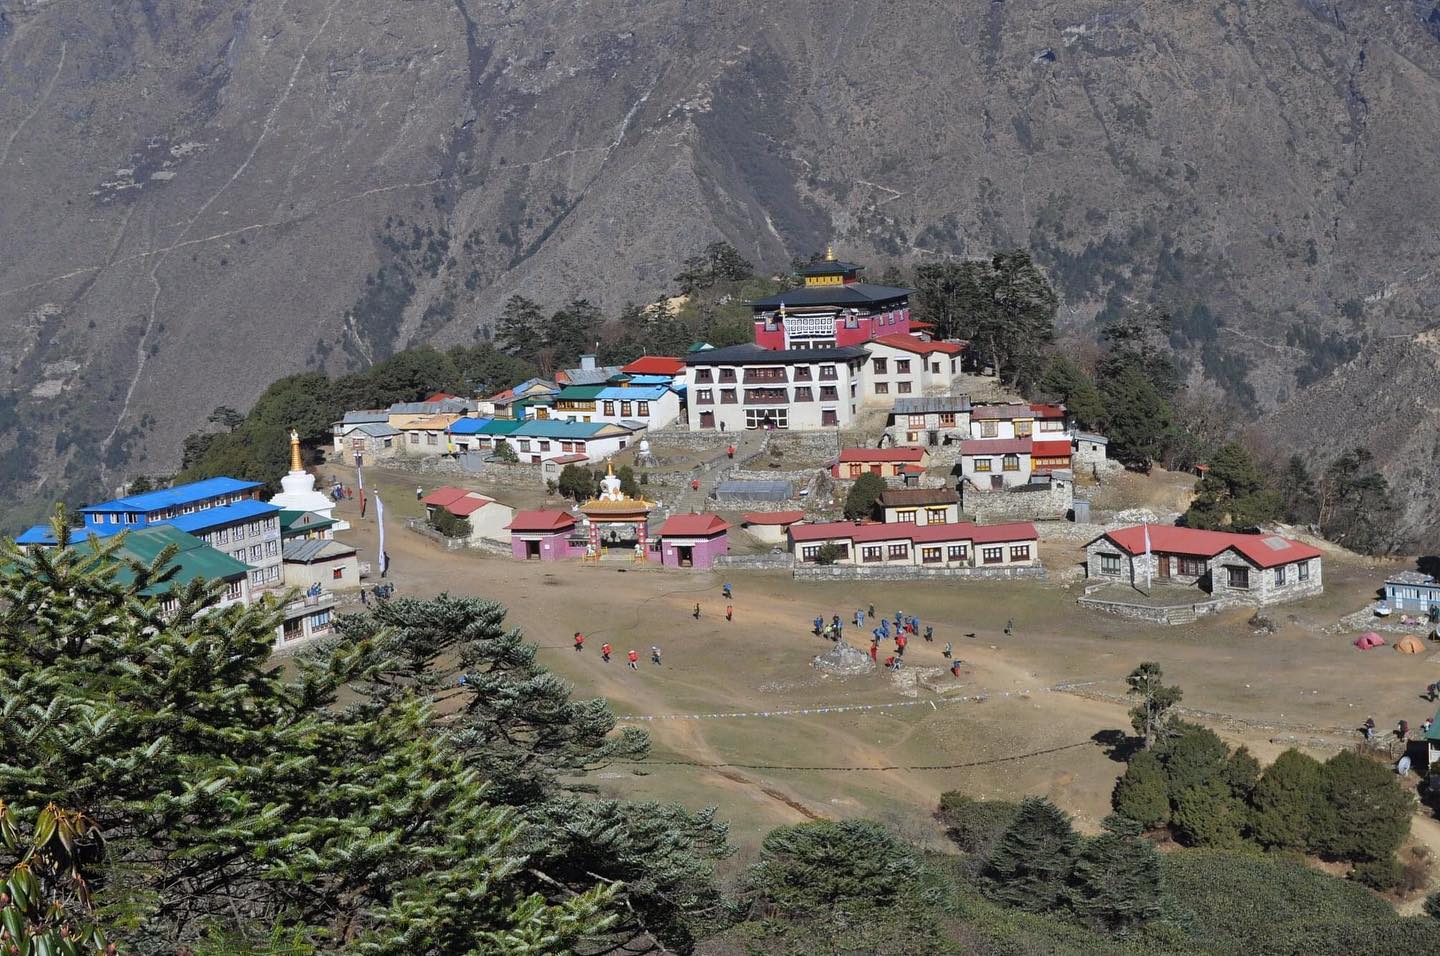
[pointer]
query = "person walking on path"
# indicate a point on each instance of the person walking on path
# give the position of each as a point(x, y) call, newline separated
point(885, 630)
point(697, 611)
point(874, 653)
point(946, 651)
point(605, 652)
point(929, 633)
point(725, 590)
point(819, 626)
point(729, 611)
point(730, 451)
point(900, 645)
point(1402, 729)
point(655, 654)
point(579, 641)
point(364, 597)
point(419, 492)
point(634, 657)
point(1432, 691)
point(872, 610)
point(859, 618)
point(1369, 728)
point(1425, 726)
point(1009, 626)
point(899, 618)
point(694, 484)
point(890, 662)
point(955, 667)
point(722, 428)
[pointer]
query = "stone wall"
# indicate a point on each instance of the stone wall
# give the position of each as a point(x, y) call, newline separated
point(755, 562)
point(1184, 614)
point(899, 572)
point(1026, 503)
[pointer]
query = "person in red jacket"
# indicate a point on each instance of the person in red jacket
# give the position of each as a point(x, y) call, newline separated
point(634, 656)
point(605, 652)
point(874, 653)
point(579, 641)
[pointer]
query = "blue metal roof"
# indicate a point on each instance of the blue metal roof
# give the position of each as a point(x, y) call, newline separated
point(633, 394)
point(651, 380)
point(469, 426)
point(225, 514)
point(172, 497)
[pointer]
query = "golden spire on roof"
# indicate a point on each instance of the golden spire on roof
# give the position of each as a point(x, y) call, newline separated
point(295, 463)
point(830, 253)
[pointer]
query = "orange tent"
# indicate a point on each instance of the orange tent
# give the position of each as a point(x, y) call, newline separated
point(1410, 644)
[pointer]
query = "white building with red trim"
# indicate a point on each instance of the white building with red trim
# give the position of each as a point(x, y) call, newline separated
point(961, 545)
point(909, 365)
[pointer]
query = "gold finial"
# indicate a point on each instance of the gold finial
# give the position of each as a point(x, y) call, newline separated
point(830, 253)
point(610, 468)
point(295, 463)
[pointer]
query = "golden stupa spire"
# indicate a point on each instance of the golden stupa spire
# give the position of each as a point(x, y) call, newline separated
point(295, 463)
point(830, 253)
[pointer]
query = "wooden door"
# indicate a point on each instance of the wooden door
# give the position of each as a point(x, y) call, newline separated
point(1164, 565)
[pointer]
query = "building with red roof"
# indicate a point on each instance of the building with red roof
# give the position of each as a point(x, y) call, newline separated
point(909, 365)
point(1253, 569)
point(959, 545)
point(885, 462)
point(1018, 420)
point(655, 365)
point(770, 527)
point(486, 517)
point(543, 535)
point(693, 540)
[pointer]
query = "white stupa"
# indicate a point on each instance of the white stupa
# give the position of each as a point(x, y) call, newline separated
point(299, 492)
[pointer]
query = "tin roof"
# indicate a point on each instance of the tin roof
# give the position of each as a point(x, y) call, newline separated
point(246, 510)
point(179, 495)
point(693, 525)
point(310, 550)
point(1266, 551)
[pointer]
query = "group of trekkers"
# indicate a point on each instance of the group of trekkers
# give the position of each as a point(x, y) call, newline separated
point(632, 657)
point(904, 629)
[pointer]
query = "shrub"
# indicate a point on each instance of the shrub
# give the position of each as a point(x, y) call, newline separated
point(506, 454)
point(1115, 883)
point(1432, 906)
point(866, 490)
point(451, 526)
point(1416, 866)
point(1380, 875)
point(975, 826)
point(1208, 815)
point(1140, 792)
point(1366, 812)
point(828, 554)
point(814, 867)
point(1194, 757)
point(1032, 861)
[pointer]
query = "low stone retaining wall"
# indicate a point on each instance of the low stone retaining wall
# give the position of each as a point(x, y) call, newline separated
point(860, 572)
point(1181, 614)
point(1027, 503)
point(755, 562)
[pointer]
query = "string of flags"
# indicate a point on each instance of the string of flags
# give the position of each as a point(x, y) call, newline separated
point(845, 708)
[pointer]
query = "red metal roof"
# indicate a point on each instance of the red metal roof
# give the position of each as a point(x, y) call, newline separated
point(998, 446)
point(871, 531)
point(1050, 449)
point(542, 521)
point(655, 365)
point(910, 343)
point(441, 497)
point(1266, 551)
point(902, 453)
point(1048, 411)
point(438, 397)
point(772, 517)
point(689, 526)
point(567, 459)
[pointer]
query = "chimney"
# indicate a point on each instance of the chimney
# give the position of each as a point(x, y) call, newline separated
point(587, 362)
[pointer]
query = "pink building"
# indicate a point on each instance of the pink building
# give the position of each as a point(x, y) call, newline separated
point(833, 308)
point(693, 541)
point(543, 536)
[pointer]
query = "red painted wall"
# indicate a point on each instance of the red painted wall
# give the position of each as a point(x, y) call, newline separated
point(889, 323)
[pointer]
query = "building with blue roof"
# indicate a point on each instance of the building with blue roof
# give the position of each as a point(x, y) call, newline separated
point(164, 503)
point(651, 405)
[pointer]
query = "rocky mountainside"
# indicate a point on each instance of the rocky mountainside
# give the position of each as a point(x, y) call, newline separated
point(197, 196)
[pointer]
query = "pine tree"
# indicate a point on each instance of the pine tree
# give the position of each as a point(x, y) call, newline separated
point(1065, 381)
point(1208, 814)
point(1115, 883)
point(1138, 416)
point(860, 501)
point(1033, 860)
point(518, 331)
point(1151, 716)
point(1284, 804)
point(233, 798)
point(1233, 494)
point(1140, 793)
point(1364, 813)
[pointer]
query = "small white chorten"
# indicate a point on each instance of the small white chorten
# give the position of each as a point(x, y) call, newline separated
point(299, 492)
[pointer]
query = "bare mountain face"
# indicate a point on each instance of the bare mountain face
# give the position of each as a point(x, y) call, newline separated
point(198, 196)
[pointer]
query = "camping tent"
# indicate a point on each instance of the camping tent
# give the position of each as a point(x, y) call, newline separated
point(1410, 644)
point(1368, 640)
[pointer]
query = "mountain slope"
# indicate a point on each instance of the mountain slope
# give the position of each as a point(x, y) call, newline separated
point(197, 197)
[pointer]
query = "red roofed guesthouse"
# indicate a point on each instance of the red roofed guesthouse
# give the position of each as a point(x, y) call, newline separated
point(488, 518)
point(885, 462)
point(693, 540)
point(543, 536)
point(655, 365)
point(904, 365)
point(994, 463)
point(832, 308)
point(1253, 569)
point(961, 545)
point(770, 527)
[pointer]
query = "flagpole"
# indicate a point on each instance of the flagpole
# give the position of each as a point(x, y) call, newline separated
point(1147, 557)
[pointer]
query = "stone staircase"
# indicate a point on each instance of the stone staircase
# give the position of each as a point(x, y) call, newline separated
point(748, 445)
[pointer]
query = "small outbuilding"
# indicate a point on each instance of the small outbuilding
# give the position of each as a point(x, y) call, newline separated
point(693, 540)
point(770, 527)
point(739, 490)
point(331, 564)
point(543, 536)
point(487, 517)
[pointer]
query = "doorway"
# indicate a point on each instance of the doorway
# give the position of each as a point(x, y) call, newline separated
point(1165, 566)
point(532, 550)
point(685, 555)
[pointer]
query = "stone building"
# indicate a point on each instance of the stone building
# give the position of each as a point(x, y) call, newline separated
point(932, 420)
point(1250, 569)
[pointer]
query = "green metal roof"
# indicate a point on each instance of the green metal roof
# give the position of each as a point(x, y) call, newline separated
point(501, 426)
point(315, 522)
point(195, 558)
point(579, 393)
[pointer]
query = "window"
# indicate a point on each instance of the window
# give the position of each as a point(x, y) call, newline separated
point(238, 554)
point(389, 443)
point(1280, 576)
point(221, 536)
point(899, 552)
point(935, 515)
point(903, 388)
point(829, 417)
point(992, 555)
point(272, 548)
point(1012, 463)
point(234, 590)
point(905, 517)
point(957, 552)
point(767, 418)
point(828, 393)
point(947, 419)
point(930, 555)
point(727, 375)
point(273, 572)
point(338, 574)
point(524, 444)
point(879, 365)
point(608, 408)
point(935, 367)
point(257, 577)
point(642, 408)
point(983, 464)
point(1020, 552)
point(902, 366)
point(881, 388)
point(727, 396)
point(704, 396)
point(802, 373)
point(1023, 429)
point(804, 394)
point(917, 421)
point(703, 375)
point(1302, 571)
point(626, 409)
point(1109, 564)
point(1238, 578)
point(256, 552)
point(431, 438)
point(871, 553)
point(1052, 426)
point(989, 429)
point(414, 438)
point(320, 620)
point(856, 469)
point(1190, 567)
point(827, 373)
